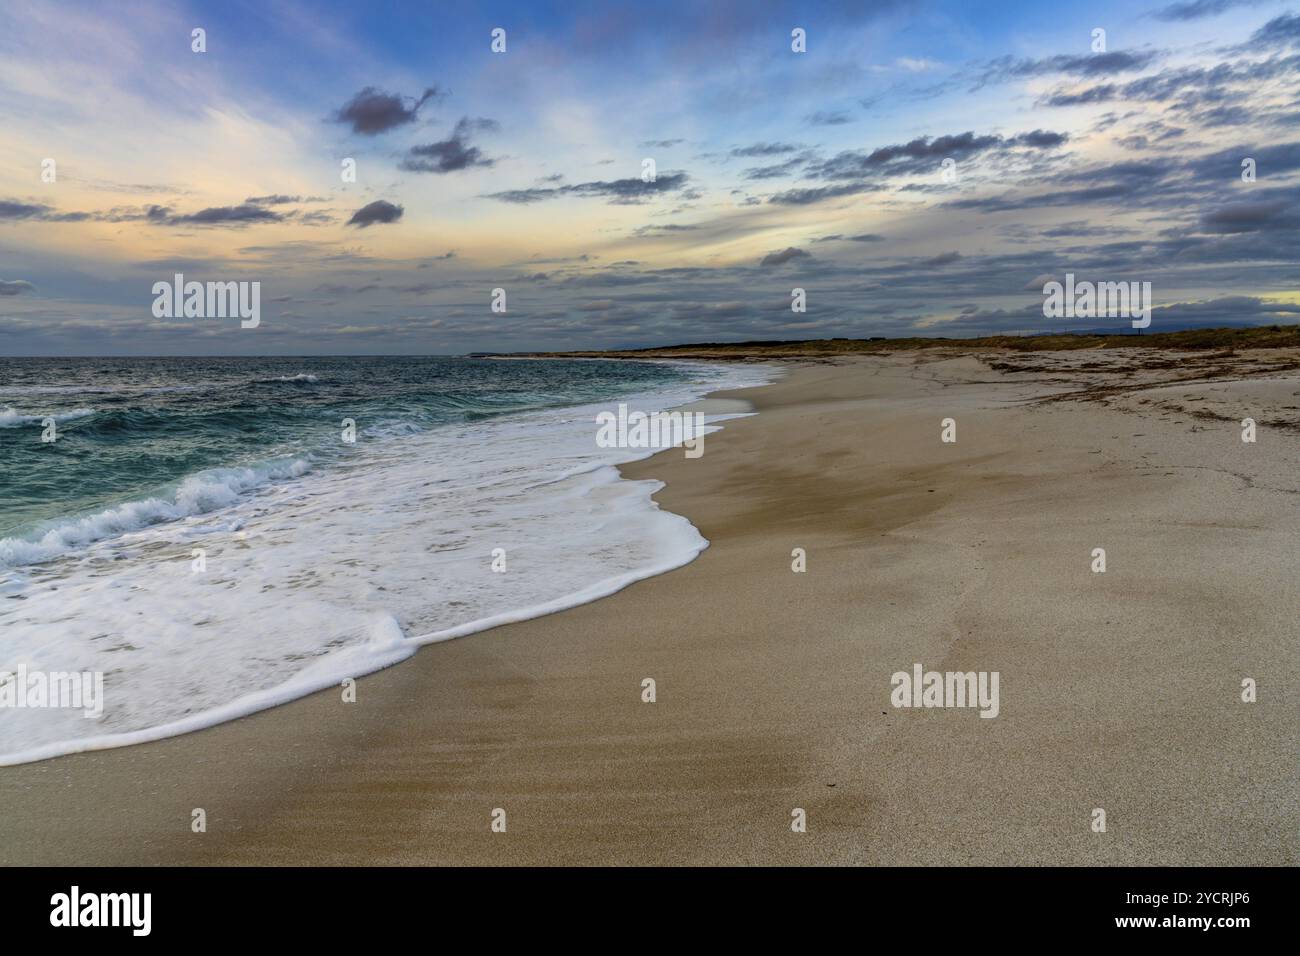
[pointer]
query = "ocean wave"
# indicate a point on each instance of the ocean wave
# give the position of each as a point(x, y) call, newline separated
point(304, 377)
point(119, 389)
point(12, 418)
point(200, 493)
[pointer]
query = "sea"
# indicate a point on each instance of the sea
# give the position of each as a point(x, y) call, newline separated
point(215, 536)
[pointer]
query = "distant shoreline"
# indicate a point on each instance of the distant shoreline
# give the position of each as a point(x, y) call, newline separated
point(1255, 337)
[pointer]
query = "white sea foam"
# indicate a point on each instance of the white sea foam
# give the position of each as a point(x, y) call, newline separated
point(336, 573)
point(12, 418)
point(198, 494)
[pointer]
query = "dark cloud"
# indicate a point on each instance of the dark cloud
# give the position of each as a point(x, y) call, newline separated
point(1225, 165)
point(828, 118)
point(373, 111)
point(16, 211)
point(273, 200)
point(776, 170)
point(1278, 32)
point(783, 256)
point(153, 213)
point(1086, 65)
point(1080, 229)
point(221, 215)
point(454, 153)
point(379, 211)
point(814, 194)
point(1250, 217)
point(618, 191)
point(1040, 139)
point(1225, 310)
point(240, 215)
point(10, 209)
point(1092, 94)
point(920, 154)
point(852, 164)
point(661, 143)
point(1187, 89)
point(764, 149)
point(15, 287)
point(1221, 116)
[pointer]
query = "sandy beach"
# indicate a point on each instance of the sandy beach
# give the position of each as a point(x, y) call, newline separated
point(1118, 690)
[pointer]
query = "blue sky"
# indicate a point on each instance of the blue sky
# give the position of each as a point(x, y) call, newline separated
point(522, 170)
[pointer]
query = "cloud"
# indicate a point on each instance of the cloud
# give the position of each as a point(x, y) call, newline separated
point(373, 111)
point(1280, 31)
point(1092, 94)
point(815, 194)
point(379, 211)
point(776, 170)
point(764, 149)
point(920, 153)
point(1249, 217)
point(276, 199)
point(661, 229)
point(10, 209)
point(1228, 309)
point(218, 215)
point(782, 257)
point(1085, 65)
point(1188, 89)
point(618, 191)
point(1040, 139)
point(452, 154)
point(15, 287)
point(828, 118)
point(942, 259)
point(915, 65)
point(1196, 9)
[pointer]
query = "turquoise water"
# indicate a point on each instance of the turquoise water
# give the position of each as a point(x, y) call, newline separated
point(131, 430)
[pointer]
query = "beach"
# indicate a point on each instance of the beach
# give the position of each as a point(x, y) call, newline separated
point(1119, 690)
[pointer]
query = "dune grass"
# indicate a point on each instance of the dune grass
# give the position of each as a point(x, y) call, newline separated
point(1226, 339)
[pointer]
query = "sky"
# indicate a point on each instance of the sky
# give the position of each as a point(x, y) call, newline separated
point(638, 174)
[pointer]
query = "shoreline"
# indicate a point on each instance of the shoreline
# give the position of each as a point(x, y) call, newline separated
point(389, 646)
point(773, 687)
